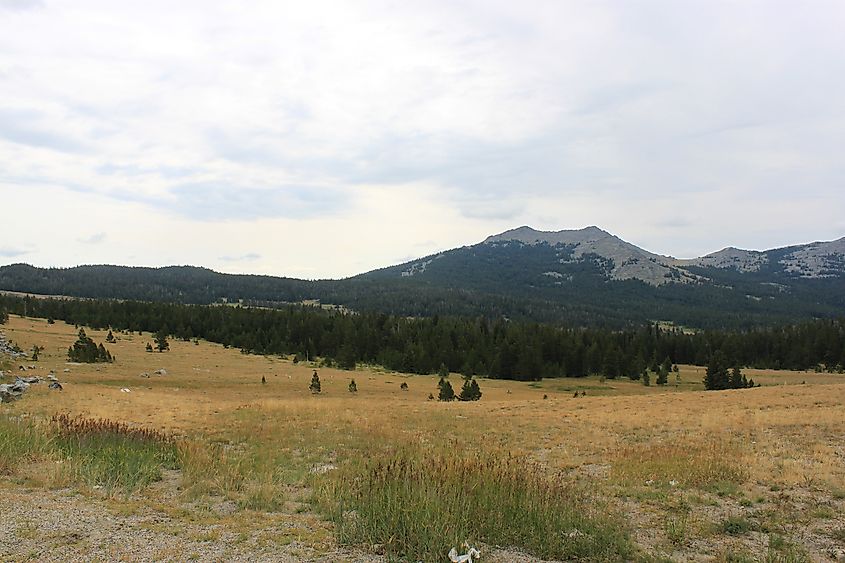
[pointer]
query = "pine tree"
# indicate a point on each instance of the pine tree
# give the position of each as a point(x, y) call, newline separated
point(476, 390)
point(110, 337)
point(85, 350)
point(353, 388)
point(716, 377)
point(149, 347)
point(161, 341)
point(446, 392)
point(470, 390)
point(735, 380)
point(646, 379)
point(662, 376)
point(404, 386)
point(315, 383)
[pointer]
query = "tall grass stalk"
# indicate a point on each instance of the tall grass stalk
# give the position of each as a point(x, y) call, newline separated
point(417, 505)
point(110, 454)
point(20, 441)
point(689, 463)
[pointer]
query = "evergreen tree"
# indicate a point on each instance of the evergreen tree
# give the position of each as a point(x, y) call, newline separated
point(446, 392)
point(86, 350)
point(646, 379)
point(346, 357)
point(662, 375)
point(404, 386)
point(315, 383)
point(161, 341)
point(716, 377)
point(353, 388)
point(110, 337)
point(470, 390)
point(443, 371)
point(149, 347)
point(735, 380)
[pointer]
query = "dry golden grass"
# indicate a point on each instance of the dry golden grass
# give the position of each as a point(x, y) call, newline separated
point(262, 438)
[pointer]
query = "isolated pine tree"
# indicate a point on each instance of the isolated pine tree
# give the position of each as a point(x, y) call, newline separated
point(646, 379)
point(404, 386)
point(353, 388)
point(315, 383)
point(110, 337)
point(716, 377)
point(161, 341)
point(446, 392)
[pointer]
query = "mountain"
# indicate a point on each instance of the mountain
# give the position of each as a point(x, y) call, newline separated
point(619, 260)
point(573, 277)
point(595, 271)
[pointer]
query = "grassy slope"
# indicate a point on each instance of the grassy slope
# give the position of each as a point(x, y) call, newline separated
point(751, 468)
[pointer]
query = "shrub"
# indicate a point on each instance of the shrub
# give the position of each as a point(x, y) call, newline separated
point(735, 526)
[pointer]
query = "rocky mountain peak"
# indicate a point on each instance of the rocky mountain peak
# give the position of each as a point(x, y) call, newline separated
point(527, 235)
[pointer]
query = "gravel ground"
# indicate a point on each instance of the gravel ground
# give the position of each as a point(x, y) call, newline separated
point(41, 525)
point(65, 526)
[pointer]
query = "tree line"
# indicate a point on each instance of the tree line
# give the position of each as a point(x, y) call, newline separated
point(470, 346)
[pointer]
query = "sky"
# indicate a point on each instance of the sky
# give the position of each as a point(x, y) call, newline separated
point(323, 139)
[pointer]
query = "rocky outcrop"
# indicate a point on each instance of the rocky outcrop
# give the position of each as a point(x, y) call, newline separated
point(10, 349)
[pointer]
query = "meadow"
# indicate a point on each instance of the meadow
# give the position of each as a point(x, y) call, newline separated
point(529, 472)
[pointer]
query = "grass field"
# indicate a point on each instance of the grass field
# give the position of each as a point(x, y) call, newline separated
point(626, 472)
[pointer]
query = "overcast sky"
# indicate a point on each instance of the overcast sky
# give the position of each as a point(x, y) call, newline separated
point(324, 139)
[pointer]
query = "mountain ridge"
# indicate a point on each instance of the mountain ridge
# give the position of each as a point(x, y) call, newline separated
point(629, 262)
point(575, 277)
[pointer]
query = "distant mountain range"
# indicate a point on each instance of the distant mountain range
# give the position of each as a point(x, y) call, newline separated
point(575, 277)
point(619, 260)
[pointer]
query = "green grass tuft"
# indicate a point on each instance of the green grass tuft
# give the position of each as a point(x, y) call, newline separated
point(735, 526)
point(417, 505)
point(110, 454)
point(20, 441)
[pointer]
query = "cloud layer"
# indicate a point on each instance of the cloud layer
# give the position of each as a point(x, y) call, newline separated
point(330, 138)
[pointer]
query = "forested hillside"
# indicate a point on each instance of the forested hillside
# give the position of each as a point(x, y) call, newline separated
point(501, 349)
point(502, 283)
